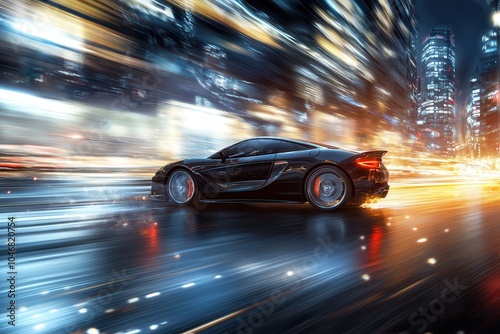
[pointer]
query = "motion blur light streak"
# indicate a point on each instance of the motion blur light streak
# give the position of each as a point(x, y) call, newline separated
point(39, 327)
point(236, 16)
point(154, 294)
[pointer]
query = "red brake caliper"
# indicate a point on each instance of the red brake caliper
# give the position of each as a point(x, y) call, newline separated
point(190, 188)
point(316, 186)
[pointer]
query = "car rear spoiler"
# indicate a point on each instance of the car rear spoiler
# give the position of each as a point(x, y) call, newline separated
point(375, 154)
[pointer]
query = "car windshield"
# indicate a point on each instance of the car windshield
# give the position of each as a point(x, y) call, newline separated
point(215, 155)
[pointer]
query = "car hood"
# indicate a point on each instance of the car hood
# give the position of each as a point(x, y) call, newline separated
point(193, 162)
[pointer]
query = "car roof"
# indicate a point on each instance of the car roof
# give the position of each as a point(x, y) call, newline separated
point(297, 141)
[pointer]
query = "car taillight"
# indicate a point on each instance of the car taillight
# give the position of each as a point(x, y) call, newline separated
point(367, 162)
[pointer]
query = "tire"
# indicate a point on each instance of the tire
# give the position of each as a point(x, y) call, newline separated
point(182, 188)
point(328, 188)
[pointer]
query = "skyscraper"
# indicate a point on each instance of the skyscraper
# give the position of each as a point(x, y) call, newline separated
point(437, 88)
point(473, 112)
point(489, 102)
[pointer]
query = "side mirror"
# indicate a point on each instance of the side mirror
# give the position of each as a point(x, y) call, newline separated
point(223, 156)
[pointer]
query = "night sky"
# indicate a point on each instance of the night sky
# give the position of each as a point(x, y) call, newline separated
point(467, 19)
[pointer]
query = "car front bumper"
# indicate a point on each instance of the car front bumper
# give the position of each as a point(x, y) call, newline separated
point(157, 191)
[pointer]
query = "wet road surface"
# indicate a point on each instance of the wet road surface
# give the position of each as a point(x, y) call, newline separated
point(93, 255)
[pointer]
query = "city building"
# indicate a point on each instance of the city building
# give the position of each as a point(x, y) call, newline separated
point(317, 63)
point(488, 78)
point(347, 68)
point(472, 134)
point(437, 89)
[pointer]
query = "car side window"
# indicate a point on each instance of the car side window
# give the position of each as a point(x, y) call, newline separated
point(287, 146)
point(253, 147)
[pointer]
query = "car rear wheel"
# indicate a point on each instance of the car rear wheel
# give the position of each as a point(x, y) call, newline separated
point(181, 187)
point(328, 188)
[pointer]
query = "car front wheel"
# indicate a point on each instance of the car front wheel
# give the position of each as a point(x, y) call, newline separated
point(328, 188)
point(181, 187)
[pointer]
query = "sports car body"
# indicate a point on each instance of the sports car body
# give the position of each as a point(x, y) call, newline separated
point(271, 169)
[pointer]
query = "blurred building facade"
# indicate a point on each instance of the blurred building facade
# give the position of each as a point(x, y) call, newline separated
point(437, 89)
point(483, 103)
point(489, 99)
point(355, 60)
point(335, 70)
point(473, 110)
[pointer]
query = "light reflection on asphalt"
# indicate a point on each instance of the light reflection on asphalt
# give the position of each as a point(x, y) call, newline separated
point(93, 255)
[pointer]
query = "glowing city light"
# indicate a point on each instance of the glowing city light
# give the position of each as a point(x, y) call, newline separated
point(496, 19)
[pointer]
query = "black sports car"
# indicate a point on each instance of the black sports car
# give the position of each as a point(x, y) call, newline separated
point(270, 169)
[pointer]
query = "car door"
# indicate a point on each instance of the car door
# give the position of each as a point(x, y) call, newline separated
point(246, 165)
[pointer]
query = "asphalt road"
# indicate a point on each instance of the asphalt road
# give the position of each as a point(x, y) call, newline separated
point(92, 255)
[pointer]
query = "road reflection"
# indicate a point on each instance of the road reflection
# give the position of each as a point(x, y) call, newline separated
point(94, 255)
